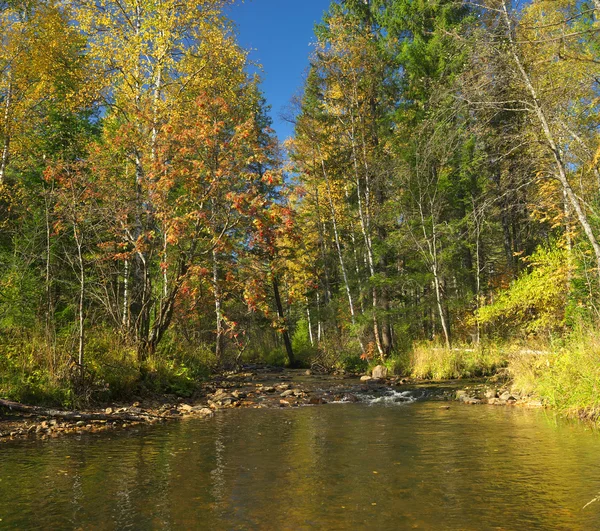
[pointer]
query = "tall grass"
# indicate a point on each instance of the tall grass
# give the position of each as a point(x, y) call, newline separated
point(564, 374)
point(431, 361)
point(36, 372)
point(566, 378)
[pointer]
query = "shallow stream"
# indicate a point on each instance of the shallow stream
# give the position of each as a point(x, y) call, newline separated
point(391, 463)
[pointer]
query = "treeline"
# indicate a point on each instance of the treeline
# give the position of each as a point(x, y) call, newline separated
point(141, 195)
point(446, 155)
point(441, 189)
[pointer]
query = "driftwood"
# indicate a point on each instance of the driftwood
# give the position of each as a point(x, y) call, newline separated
point(73, 415)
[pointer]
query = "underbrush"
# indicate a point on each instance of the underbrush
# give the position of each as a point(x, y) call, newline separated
point(431, 361)
point(31, 371)
point(563, 373)
point(35, 372)
point(565, 377)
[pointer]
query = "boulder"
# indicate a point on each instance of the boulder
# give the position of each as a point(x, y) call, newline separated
point(379, 372)
point(491, 393)
point(365, 378)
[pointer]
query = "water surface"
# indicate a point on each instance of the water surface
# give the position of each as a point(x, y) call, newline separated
point(388, 465)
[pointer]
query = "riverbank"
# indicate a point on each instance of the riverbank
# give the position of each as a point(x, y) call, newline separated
point(264, 387)
point(260, 387)
point(563, 374)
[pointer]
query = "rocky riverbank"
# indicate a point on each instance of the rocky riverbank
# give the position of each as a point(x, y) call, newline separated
point(256, 387)
point(495, 396)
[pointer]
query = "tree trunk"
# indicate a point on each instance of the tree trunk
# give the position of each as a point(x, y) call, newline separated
point(365, 223)
point(284, 333)
point(339, 252)
point(125, 316)
point(310, 332)
point(6, 143)
point(80, 309)
point(218, 311)
point(551, 142)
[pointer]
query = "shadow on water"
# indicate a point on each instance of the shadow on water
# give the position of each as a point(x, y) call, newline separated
point(389, 462)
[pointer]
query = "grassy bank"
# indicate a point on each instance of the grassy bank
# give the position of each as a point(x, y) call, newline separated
point(34, 371)
point(564, 375)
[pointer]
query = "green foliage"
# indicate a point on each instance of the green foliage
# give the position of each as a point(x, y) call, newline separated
point(111, 365)
point(26, 371)
point(275, 356)
point(19, 294)
point(303, 350)
point(177, 368)
point(536, 301)
point(353, 363)
point(564, 376)
point(398, 364)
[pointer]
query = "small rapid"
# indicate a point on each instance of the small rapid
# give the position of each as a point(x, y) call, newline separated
point(391, 397)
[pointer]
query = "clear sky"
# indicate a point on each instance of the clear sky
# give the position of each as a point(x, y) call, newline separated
point(279, 34)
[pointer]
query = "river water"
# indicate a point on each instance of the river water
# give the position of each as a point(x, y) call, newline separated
point(392, 464)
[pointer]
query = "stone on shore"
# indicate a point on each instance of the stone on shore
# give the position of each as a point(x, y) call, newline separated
point(379, 372)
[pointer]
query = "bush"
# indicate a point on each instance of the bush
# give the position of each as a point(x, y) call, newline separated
point(353, 363)
point(567, 377)
point(304, 352)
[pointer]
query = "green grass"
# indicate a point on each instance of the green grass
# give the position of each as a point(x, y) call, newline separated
point(32, 372)
point(566, 377)
point(431, 361)
point(564, 374)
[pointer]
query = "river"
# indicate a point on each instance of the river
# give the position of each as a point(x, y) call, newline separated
point(377, 466)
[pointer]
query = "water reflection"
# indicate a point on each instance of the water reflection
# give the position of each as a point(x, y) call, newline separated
point(331, 467)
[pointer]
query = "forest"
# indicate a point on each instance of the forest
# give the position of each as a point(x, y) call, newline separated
point(435, 211)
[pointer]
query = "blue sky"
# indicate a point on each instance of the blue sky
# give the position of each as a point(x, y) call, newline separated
point(279, 34)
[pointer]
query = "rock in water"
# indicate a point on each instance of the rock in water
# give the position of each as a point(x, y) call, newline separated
point(365, 378)
point(491, 393)
point(203, 411)
point(379, 372)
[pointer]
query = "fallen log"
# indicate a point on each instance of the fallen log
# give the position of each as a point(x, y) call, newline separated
point(73, 415)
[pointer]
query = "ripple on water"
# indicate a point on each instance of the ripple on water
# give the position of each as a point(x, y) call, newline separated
point(390, 397)
point(369, 465)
